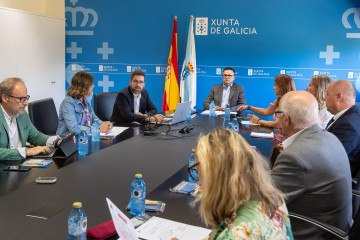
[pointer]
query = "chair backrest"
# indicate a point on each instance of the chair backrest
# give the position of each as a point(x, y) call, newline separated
point(355, 229)
point(43, 115)
point(104, 104)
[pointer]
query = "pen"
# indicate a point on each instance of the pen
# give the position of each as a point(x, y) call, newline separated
point(152, 202)
point(35, 166)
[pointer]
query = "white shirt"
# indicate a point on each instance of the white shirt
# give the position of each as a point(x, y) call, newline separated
point(14, 136)
point(136, 102)
point(337, 116)
point(225, 95)
point(291, 139)
point(324, 116)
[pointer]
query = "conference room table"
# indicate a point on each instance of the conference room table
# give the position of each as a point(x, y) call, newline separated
point(107, 172)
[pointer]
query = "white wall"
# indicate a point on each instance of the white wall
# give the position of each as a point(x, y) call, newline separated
point(32, 47)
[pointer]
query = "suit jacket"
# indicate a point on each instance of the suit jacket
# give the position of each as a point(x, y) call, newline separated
point(124, 106)
point(314, 174)
point(347, 129)
point(236, 97)
point(27, 132)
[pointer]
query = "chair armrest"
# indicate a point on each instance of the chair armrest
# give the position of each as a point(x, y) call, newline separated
point(331, 229)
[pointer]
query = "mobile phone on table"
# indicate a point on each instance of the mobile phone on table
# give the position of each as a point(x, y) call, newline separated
point(17, 168)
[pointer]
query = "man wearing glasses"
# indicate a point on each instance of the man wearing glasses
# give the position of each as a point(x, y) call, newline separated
point(225, 93)
point(133, 102)
point(15, 126)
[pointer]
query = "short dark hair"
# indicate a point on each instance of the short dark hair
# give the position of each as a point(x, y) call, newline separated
point(229, 68)
point(80, 84)
point(137, 73)
point(7, 86)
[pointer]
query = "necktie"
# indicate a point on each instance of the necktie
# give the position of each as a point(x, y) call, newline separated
point(329, 123)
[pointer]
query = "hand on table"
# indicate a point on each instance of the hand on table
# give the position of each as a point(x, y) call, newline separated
point(36, 150)
point(253, 118)
point(106, 127)
point(242, 108)
point(217, 108)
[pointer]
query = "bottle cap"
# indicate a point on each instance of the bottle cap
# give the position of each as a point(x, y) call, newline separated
point(193, 150)
point(77, 205)
point(138, 175)
point(95, 119)
point(82, 129)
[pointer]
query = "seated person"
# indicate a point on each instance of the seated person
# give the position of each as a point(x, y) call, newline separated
point(317, 87)
point(133, 102)
point(75, 110)
point(340, 101)
point(225, 93)
point(237, 197)
point(313, 169)
point(15, 126)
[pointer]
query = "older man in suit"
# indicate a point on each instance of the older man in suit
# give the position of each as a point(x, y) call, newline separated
point(225, 93)
point(345, 125)
point(313, 169)
point(133, 102)
point(15, 126)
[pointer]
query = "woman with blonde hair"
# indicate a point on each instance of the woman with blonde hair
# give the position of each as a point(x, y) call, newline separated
point(317, 86)
point(283, 83)
point(237, 197)
point(75, 110)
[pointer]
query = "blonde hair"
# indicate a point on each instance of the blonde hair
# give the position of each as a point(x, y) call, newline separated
point(232, 172)
point(321, 82)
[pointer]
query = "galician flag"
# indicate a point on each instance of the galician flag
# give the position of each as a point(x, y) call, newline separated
point(171, 91)
point(188, 72)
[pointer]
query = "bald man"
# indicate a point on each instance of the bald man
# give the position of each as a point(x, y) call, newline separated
point(345, 125)
point(15, 126)
point(312, 170)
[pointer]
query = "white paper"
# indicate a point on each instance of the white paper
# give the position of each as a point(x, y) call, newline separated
point(262, 135)
point(248, 123)
point(114, 132)
point(159, 228)
point(124, 227)
point(217, 113)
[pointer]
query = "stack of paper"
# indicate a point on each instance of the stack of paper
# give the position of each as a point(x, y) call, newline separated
point(114, 132)
point(262, 135)
point(217, 113)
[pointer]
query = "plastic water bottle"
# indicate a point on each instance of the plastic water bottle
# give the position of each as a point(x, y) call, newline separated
point(95, 131)
point(188, 116)
point(138, 193)
point(83, 142)
point(192, 162)
point(235, 125)
point(212, 109)
point(77, 223)
point(227, 113)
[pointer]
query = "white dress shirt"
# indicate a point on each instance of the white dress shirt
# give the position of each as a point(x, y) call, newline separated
point(337, 116)
point(225, 95)
point(137, 98)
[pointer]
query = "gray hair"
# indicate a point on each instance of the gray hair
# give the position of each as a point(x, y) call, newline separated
point(7, 86)
point(301, 115)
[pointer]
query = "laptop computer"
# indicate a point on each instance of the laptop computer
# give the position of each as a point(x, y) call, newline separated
point(66, 149)
point(182, 109)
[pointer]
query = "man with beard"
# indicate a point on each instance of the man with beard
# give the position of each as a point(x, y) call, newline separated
point(133, 102)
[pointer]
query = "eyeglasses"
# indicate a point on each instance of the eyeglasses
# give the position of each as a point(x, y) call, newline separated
point(227, 76)
point(278, 114)
point(193, 173)
point(21, 99)
point(138, 82)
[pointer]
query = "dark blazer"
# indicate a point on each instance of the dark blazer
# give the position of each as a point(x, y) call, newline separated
point(124, 106)
point(314, 173)
point(236, 97)
point(347, 130)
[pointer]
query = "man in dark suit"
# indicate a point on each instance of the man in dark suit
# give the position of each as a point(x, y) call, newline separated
point(345, 125)
point(225, 93)
point(15, 126)
point(133, 102)
point(312, 170)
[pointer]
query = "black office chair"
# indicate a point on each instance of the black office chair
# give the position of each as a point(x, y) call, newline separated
point(353, 234)
point(43, 115)
point(104, 104)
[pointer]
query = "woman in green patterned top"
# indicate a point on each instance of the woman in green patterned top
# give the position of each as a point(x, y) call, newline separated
point(237, 197)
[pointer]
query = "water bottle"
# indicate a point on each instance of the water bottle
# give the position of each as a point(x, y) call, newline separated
point(235, 125)
point(212, 109)
point(227, 113)
point(83, 142)
point(188, 116)
point(192, 162)
point(138, 192)
point(95, 131)
point(77, 223)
